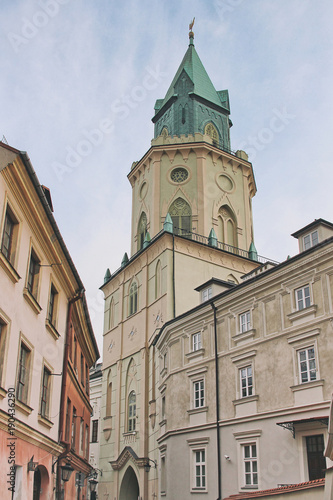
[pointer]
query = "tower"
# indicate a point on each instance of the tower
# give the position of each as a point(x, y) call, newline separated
point(191, 222)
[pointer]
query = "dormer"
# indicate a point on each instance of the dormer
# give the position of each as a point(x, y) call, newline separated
point(213, 287)
point(317, 231)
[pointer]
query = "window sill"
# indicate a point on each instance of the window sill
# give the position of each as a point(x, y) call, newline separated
point(307, 385)
point(45, 421)
point(22, 407)
point(202, 409)
point(162, 422)
point(31, 301)
point(250, 487)
point(307, 311)
point(199, 490)
point(9, 269)
point(241, 336)
point(3, 393)
point(246, 399)
point(195, 354)
point(52, 330)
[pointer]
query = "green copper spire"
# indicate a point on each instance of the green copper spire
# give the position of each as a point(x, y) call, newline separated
point(192, 103)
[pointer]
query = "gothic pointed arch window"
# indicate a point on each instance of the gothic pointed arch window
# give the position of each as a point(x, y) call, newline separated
point(111, 314)
point(158, 272)
point(142, 230)
point(211, 130)
point(180, 212)
point(108, 395)
point(133, 298)
point(131, 419)
point(227, 227)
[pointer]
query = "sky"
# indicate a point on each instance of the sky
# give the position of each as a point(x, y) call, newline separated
point(78, 84)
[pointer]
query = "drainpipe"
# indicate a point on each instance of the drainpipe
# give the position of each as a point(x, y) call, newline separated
point(217, 401)
point(63, 385)
point(173, 276)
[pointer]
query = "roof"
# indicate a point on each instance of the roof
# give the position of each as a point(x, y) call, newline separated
point(195, 70)
point(315, 223)
point(278, 491)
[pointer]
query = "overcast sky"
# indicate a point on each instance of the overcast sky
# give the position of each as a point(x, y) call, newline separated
point(79, 80)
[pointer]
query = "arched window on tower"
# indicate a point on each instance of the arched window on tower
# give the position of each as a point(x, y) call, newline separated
point(227, 228)
point(158, 280)
point(142, 230)
point(108, 396)
point(133, 298)
point(211, 130)
point(180, 212)
point(111, 314)
point(131, 420)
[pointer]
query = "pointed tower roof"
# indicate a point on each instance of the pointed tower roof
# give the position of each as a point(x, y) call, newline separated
point(195, 70)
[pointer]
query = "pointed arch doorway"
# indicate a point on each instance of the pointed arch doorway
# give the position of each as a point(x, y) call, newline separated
point(129, 489)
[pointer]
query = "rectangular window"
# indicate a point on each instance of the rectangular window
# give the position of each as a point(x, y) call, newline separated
point(206, 294)
point(82, 436)
point(315, 449)
point(246, 381)
point(163, 475)
point(75, 353)
point(310, 240)
point(82, 369)
point(94, 432)
point(52, 305)
point(245, 322)
point(73, 428)
point(87, 379)
point(33, 274)
point(23, 374)
point(196, 341)
point(199, 394)
point(303, 299)
point(7, 236)
point(200, 469)
point(87, 442)
point(307, 364)
point(250, 464)
point(45, 397)
point(68, 420)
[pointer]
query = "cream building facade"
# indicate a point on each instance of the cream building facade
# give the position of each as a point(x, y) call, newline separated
point(39, 285)
point(245, 383)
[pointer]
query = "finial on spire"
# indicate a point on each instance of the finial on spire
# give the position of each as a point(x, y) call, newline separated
point(191, 34)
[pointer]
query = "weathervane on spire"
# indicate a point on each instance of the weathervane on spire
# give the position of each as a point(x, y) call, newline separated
point(191, 34)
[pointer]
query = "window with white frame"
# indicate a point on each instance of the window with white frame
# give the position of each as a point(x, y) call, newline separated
point(23, 376)
point(198, 394)
point(9, 236)
point(302, 297)
point(33, 274)
point(246, 381)
point(250, 464)
point(310, 240)
point(196, 341)
point(245, 322)
point(307, 364)
point(132, 412)
point(133, 299)
point(199, 469)
point(206, 294)
point(45, 393)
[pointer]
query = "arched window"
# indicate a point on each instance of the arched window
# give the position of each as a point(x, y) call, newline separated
point(180, 212)
point(142, 230)
point(227, 224)
point(158, 280)
point(133, 298)
point(211, 130)
point(131, 412)
point(108, 396)
point(111, 314)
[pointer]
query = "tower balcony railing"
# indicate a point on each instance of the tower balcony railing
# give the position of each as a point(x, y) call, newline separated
point(221, 246)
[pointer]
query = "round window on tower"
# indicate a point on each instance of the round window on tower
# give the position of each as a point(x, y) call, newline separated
point(179, 175)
